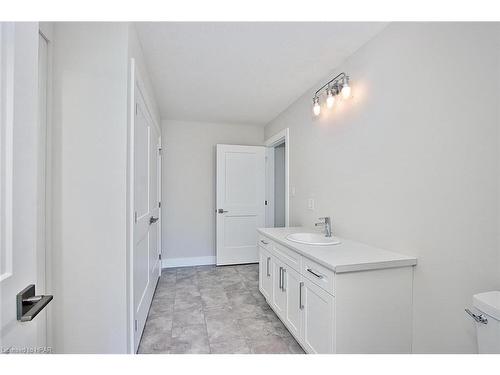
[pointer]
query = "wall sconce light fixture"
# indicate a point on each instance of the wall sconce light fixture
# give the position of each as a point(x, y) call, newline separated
point(332, 89)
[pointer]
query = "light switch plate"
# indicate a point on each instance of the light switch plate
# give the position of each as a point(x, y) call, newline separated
point(310, 204)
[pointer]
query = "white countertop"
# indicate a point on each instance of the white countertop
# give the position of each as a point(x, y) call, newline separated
point(348, 256)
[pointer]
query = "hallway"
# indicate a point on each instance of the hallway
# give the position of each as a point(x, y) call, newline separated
point(210, 309)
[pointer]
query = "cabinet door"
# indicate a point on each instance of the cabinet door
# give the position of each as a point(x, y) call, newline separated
point(278, 293)
point(318, 324)
point(293, 311)
point(265, 274)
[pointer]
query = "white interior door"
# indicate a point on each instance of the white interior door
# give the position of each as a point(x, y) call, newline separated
point(23, 76)
point(240, 202)
point(146, 262)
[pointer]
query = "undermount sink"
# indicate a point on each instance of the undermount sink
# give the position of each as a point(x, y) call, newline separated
point(312, 239)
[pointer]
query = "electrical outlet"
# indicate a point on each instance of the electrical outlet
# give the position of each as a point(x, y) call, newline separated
point(310, 204)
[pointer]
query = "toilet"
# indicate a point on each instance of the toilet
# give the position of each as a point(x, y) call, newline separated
point(487, 321)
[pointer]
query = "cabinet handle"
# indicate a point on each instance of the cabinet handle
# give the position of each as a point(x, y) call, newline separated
point(281, 277)
point(264, 242)
point(267, 271)
point(301, 306)
point(283, 282)
point(319, 276)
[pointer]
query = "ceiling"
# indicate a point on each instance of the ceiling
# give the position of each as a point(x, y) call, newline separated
point(242, 73)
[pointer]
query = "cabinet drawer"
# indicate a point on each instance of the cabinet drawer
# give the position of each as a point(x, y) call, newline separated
point(290, 257)
point(321, 276)
point(265, 242)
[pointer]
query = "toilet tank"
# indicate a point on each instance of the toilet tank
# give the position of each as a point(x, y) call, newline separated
point(488, 335)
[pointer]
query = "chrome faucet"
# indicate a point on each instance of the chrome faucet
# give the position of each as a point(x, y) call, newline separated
point(327, 223)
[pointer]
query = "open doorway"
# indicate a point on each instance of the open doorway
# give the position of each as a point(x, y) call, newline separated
point(277, 180)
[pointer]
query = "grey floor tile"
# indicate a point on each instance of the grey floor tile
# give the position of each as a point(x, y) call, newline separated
point(158, 323)
point(270, 345)
point(155, 343)
point(187, 302)
point(188, 317)
point(294, 347)
point(214, 298)
point(165, 291)
point(162, 307)
point(208, 309)
point(186, 272)
point(223, 330)
point(238, 346)
point(255, 329)
point(192, 339)
point(188, 281)
point(221, 313)
point(169, 271)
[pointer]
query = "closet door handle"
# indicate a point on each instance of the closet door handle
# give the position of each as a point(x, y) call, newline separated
point(264, 242)
point(267, 271)
point(301, 306)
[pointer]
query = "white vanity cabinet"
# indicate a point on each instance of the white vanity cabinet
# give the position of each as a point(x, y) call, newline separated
point(341, 303)
point(305, 308)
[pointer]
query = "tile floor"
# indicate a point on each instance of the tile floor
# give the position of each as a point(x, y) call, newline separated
point(210, 309)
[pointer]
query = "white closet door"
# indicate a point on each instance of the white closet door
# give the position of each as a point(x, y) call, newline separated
point(146, 264)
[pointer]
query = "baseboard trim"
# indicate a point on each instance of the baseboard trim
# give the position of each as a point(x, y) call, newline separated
point(187, 262)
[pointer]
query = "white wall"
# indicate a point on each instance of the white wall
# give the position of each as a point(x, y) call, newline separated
point(135, 51)
point(89, 154)
point(410, 164)
point(188, 192)
point(89, 151)
point(279, 186)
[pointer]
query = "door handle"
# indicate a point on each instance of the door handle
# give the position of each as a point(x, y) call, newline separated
point(221, 211)
point(152, 220)
point(29, 305)
point(301, 306)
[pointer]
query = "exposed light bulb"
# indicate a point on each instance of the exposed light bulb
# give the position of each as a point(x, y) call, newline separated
point(330, 98)
point(346, 89)
point(316, 107)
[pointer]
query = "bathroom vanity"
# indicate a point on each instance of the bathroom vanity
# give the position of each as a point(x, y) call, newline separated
point(343, 298)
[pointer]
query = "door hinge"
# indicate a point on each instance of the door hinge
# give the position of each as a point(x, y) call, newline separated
point(265, 202)
point(135, 324)
point(160, 151)
point(159, 256)
point(136, 105)
point(135, 217)
point(159, 204)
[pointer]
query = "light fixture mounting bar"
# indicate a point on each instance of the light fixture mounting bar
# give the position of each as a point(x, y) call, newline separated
point(338, 77)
